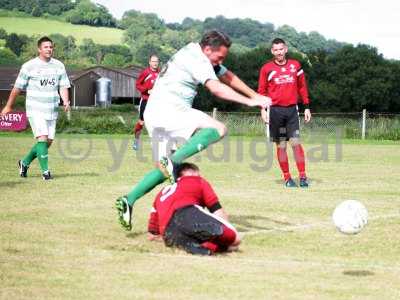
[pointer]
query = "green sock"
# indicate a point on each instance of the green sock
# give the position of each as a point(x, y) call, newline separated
point(149, 181)
point(30, 156)
point(198, 142)
point(43, 155)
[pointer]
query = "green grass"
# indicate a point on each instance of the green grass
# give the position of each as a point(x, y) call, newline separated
point(61, 239)
point(39, 26)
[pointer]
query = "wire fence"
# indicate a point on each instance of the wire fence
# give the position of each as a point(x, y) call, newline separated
point(349, 125)
point(357, 125)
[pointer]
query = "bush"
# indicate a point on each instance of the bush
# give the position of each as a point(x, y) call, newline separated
point(8, 58)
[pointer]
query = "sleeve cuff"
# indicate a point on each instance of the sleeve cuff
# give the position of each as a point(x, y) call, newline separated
point(215, 207)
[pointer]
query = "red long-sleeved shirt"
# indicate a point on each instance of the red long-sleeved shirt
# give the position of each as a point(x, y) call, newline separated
point(145, 81)
point(284, 84)
point(188, 190)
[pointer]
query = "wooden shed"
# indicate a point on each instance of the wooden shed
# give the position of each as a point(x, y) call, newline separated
point(123, 81)
point(83, 88)
point(8, 75)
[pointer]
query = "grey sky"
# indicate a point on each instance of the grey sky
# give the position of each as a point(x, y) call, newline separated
point(376, 23)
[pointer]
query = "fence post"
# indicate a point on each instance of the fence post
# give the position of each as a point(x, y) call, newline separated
point(364, 119)
point(214, 113)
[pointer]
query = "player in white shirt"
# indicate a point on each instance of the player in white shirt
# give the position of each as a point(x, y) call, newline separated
point(44, 79)
point(169, 114)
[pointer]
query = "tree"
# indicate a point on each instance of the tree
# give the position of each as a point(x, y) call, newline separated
point(16, 42)
point(64, 46)
point(114, 60)
point(92, 14)
point(8, 58)
point(3, 34)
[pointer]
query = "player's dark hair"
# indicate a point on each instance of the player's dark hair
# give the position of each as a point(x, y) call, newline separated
point(153, 55)
point(186, 166)
point(44, 39)
point(215, 39)
point(276, 41)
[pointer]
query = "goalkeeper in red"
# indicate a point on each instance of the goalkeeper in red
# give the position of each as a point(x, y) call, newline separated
point(179, 216)
point(282, 79)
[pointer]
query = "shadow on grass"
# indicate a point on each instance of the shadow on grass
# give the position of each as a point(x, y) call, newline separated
point(246, 223)
point(66, 175)
point(358, 273)
point(310, 181)
point(136, 234)
point(12, 184)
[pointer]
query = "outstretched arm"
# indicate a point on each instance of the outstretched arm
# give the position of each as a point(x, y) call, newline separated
point(225, 92)
point(230, 79)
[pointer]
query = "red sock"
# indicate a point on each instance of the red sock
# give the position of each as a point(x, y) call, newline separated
point(138, 128)
point(283, 162)
point(210, 246)
point(300, 160)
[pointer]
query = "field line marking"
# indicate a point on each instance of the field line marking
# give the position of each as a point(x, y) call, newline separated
point(261, 261)
point(310, 226)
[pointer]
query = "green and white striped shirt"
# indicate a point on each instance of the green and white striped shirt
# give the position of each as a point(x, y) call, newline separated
point(42, 80)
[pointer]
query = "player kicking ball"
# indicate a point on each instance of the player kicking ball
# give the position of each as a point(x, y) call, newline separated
point(179, 217)
point(44, 79)
point(169, 114)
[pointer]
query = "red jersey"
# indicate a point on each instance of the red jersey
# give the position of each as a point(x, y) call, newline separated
point(188, 190)
point(283, 83)
point(145, 81)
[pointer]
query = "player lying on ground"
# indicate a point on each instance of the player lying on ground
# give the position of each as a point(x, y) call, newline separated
point(179, 216)
point(169, 114)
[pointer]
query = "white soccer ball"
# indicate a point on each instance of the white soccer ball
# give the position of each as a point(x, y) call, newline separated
point(350, 217)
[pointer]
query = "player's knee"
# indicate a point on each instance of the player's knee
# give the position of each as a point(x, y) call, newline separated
point(281, 145)
point(294, 142)
point(42, 138)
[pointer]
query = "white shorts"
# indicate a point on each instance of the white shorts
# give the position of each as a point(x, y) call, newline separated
point(41, 127)
point(169, 129)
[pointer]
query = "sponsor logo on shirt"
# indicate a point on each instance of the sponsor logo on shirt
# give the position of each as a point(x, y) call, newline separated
point(48, 81)
point(283, 79)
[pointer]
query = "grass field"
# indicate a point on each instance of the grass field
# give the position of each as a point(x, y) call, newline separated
point(39, 26)
point(61, 239)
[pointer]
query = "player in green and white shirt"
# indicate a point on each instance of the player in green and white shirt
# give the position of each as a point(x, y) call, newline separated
point(44, 79)
point(169, 114)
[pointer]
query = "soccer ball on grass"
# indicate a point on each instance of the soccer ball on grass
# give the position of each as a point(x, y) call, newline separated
point(350, 217)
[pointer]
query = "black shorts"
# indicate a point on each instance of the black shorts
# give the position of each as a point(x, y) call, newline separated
point(283, 123)
point(189, 227)
point(142, 108)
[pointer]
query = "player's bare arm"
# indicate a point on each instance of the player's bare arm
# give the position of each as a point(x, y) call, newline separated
point(307, 115)
point(225, 92)
point(230, 79)
point(11, 100)
point(65, 98)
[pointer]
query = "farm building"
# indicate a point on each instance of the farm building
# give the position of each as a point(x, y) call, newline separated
point(7, 80)
point(83, 89)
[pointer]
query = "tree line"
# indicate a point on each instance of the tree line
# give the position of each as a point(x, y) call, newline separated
point(75, 12)
point(342, 77)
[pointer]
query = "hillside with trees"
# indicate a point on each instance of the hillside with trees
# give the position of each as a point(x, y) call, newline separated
point(341, 77)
